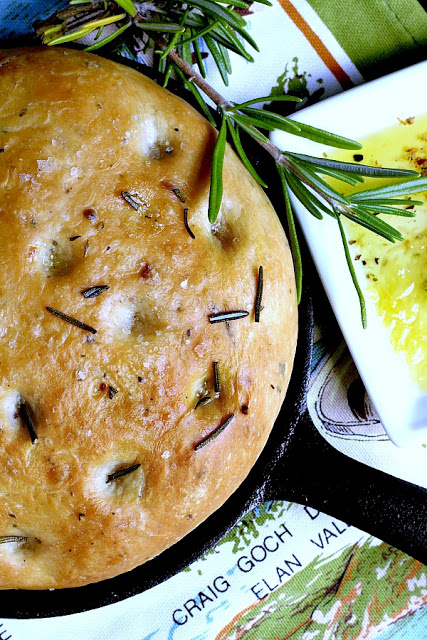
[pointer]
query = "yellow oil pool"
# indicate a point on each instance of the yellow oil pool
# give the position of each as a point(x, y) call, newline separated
point(396, 273)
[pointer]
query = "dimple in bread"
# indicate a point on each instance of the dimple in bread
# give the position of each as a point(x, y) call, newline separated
point(131, 407)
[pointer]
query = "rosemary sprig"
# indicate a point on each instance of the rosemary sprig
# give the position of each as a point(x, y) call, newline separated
point(176, 33)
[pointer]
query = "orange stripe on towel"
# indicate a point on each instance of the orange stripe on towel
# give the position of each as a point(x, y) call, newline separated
point(321, 50)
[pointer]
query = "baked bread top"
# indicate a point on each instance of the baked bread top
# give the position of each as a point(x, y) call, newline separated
point(105, 423)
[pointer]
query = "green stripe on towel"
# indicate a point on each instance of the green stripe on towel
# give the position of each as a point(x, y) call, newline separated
point(378, 35)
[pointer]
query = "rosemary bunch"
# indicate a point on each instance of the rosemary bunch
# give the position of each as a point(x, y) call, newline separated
point(179, 34)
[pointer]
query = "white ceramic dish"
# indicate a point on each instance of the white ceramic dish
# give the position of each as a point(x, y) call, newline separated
point(358, 113)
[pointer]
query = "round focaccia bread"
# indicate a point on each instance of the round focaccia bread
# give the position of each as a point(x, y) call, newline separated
point(131, 404)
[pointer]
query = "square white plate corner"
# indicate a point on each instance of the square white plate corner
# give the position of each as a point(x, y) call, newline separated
point(357, 113)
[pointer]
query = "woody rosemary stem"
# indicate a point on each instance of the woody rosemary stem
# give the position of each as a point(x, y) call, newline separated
point(219, 100)
point(223, 104)
point(195, 77)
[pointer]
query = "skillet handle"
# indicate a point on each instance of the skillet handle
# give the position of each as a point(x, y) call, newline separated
point(317, 475)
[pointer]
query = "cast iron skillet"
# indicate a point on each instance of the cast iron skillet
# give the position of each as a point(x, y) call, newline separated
point(297, 465)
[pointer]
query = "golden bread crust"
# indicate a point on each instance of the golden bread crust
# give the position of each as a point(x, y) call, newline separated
point(76, 133)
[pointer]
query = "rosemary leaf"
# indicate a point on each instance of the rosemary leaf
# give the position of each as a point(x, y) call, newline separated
point(160, 27)
point(222, 37)
point(112, 392)
point(218, 12)
point(270, 120)
point(112, 36)
point(252, 121)
point(217, 55)
point(310, 202)
point(233, 43)
point(354, 167)
point(326, 137)
point(130, 200)
point(199, 59)
point(171, 45)
point(121, 473)
point(407, 187)
point(258, 297)
point(217, 384)
point(94, 292)
point(203, 401)
point(240, 150)
point(99, 32)
point(128, 6)
point(270, 98)
point(69, 37)
point(225, 56)
point(351, 269)
point(195, 20)
point(185, 51)
point(167, 75)
point(174, 40)
point(190, 233)
point(363, 216)
point(373, 206)
point(293, 238)
point(102, 22)
point(73, 321)
point(179, 195)
point(88, 28)
point(48, 33)
point(316, 182)
point(196, 35)
point(226, 316)
point(241, 4)
point(215, 433)
point(27, 420)
point(250, 129)
point(246, 36)
point(354, 181)
point(5, 539)
point(216, 186)
point(401, 202)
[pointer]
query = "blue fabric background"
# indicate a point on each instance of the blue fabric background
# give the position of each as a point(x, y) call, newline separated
point(16, 18)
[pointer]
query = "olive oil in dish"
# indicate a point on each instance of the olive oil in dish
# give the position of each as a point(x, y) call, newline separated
point(394, 275)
